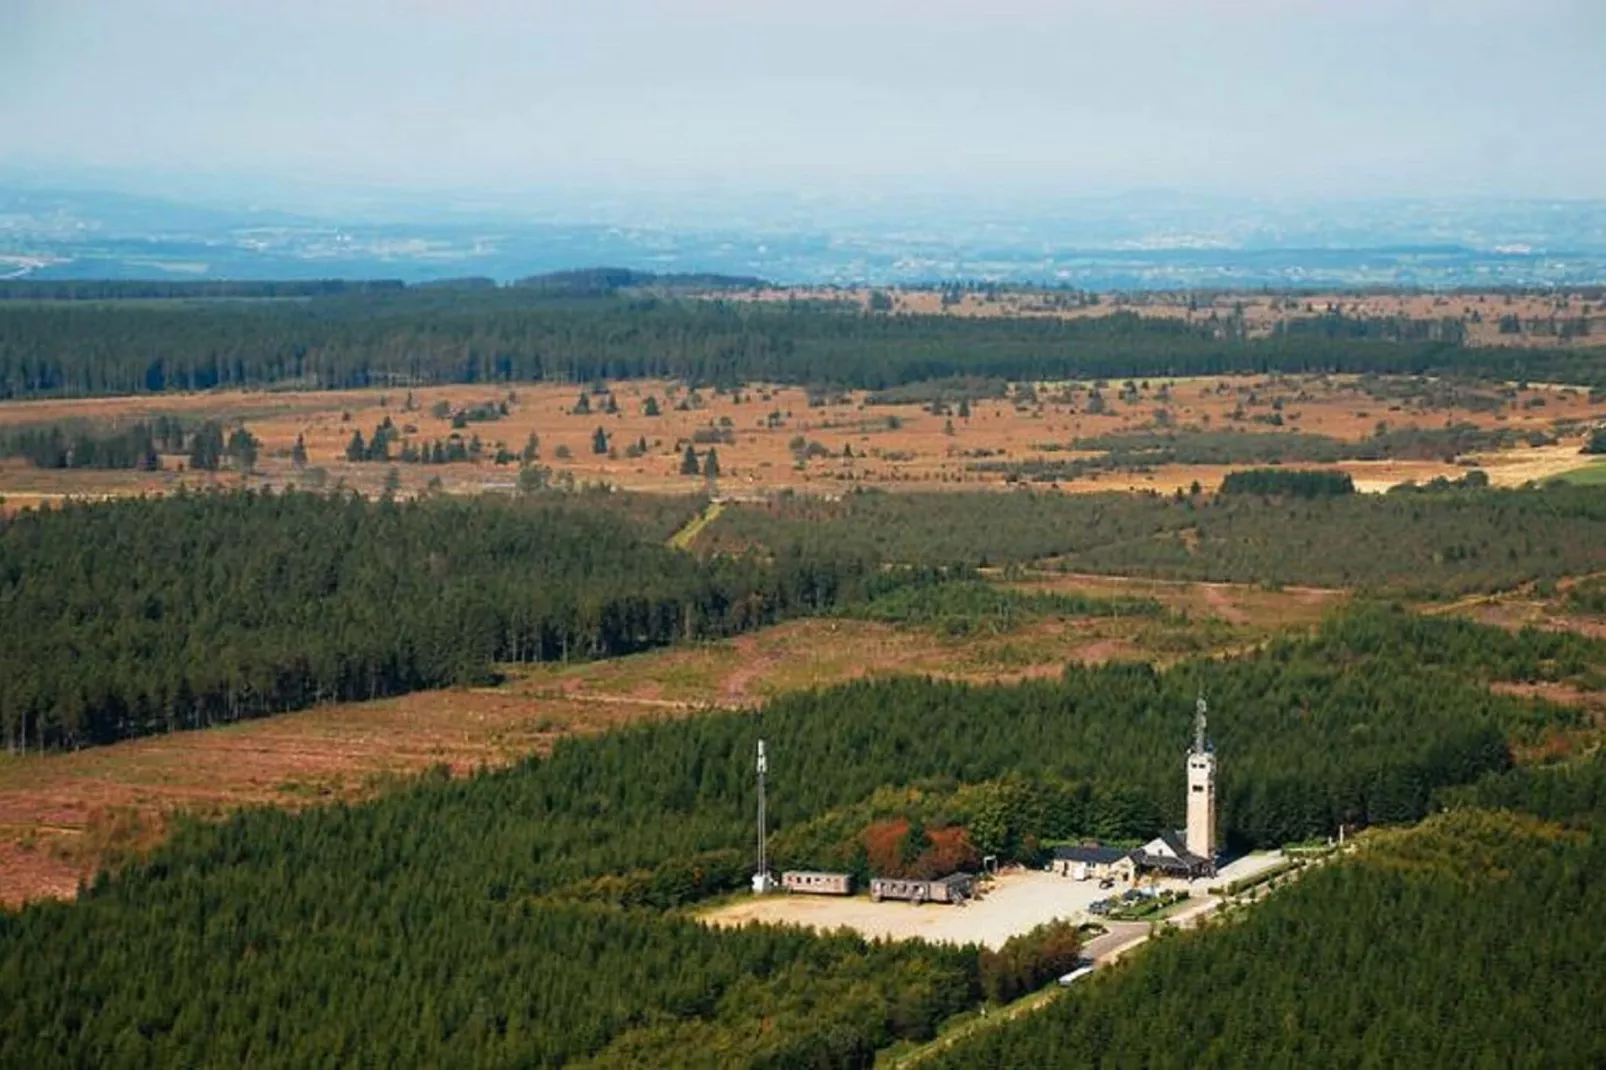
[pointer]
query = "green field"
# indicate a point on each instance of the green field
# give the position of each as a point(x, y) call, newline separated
point(1589, 475)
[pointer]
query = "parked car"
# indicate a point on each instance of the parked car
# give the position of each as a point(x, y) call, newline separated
point(1076, 975)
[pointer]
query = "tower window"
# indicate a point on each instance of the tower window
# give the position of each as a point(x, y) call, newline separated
point(1198, 787)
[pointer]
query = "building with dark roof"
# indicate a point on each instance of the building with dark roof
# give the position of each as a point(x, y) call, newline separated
point(1093, 861)
point(1168, 853)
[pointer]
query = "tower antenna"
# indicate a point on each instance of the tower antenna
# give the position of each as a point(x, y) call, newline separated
point(1201, 831)
point(761, 877)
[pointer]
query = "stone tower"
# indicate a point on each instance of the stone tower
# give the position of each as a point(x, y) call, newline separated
point(1201, 791)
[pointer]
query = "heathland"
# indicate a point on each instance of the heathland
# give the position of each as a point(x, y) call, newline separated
point(379, 565)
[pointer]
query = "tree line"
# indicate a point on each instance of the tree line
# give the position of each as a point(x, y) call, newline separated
point(140, 445)
point(1288, 483)
point(130, 617)
point(1141, 449)
point(56, 446)
point(187, 289)
point(422, 336)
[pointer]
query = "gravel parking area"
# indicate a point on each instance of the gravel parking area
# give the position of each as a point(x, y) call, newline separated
point(1016, 902)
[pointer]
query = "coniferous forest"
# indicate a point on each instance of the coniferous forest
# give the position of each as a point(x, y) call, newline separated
point(134, 617)
point(541, 915)
point(138, 616)
point(356, 336)
point(1430, 544)
point(1473, 940)
point(468, 921)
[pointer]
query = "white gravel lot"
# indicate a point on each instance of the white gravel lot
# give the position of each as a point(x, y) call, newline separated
point(1016, 902)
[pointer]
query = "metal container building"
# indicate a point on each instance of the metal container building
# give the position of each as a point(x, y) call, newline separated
point(954, 888)
point(810, 882)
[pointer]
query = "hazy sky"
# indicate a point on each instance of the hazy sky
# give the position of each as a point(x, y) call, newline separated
point(1333, 98)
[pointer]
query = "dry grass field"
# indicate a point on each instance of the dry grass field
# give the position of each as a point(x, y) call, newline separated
point(757, 434)
point(63, 814)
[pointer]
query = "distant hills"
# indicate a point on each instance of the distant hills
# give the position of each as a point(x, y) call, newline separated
point(1129, 243)
point(586, 282)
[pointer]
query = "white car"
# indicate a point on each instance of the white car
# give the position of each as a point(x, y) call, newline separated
point(1075, 975)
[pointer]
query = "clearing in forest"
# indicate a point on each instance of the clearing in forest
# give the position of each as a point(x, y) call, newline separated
point(62, 814)
point(1015, 902)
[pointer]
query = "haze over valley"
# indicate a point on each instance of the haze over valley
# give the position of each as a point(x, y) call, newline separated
point(674, 534)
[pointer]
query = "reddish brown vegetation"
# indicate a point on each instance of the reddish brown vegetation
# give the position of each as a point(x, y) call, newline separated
point(899, 848)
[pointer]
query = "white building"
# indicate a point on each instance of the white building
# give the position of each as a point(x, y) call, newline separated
point(1201, 831)
point(1188, 853)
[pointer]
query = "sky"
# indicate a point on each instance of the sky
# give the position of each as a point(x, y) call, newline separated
point(1259, 98)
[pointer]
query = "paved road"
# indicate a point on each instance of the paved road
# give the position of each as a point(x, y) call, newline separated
point(1121, 936)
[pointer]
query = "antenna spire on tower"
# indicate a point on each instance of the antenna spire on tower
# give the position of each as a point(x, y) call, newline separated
point(761, 878)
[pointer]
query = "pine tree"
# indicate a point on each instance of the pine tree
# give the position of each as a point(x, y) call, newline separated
point(206, 447)
point(599, 441)
point(582, 407)
point(356, 449)
point(242, 449)
point(650, 408)
point(688, 462)
point(711, 464)
point(298, 453)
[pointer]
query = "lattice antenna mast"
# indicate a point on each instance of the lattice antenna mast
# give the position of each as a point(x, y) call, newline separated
point(761, 877)
point(1199, 711)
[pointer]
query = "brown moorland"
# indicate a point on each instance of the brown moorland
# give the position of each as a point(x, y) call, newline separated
point(773, 438)
point(62, 815)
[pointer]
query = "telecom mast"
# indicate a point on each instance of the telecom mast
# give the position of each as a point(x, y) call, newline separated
point(1201, 831)
point(762, 882)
